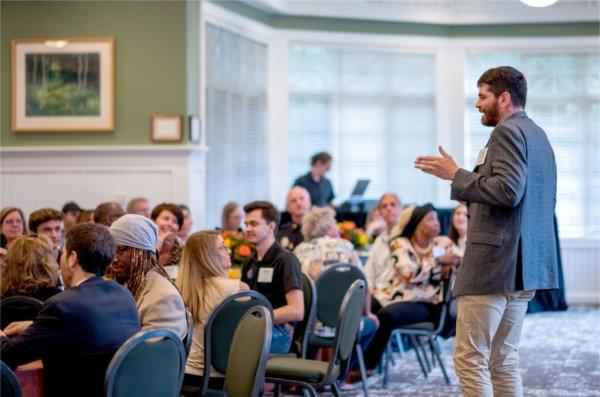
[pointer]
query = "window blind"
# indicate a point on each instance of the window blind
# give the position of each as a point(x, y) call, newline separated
point(374, 111)
point(236, 86)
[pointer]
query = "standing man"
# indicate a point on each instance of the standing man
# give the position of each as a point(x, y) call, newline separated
point(289, 234)
point(511, 250)
point(274, 272)
point(319, 187)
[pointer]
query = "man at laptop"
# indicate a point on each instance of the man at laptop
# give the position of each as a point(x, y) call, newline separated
point(319, 187)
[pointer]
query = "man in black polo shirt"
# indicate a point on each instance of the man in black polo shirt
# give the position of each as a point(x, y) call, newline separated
point(319, 187)
point(289, 234)
point(274, 272)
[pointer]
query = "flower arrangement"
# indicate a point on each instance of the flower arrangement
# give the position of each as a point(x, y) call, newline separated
point(356, 235)
point(241, 250)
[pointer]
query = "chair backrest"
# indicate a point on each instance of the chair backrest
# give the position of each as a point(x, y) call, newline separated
point(332, 285)
point(9, 386)
point(187, 341)
point(150, 363)
point(347, 324)
point(220, 327)
point(303, 328)
point(447, 294)
point(249, 353)
point(18, 308)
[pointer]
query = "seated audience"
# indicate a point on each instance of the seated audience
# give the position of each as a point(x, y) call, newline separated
point(106, 213)
point(30, 269)
point(135, 266)
point(322, 244)
point(188, 222)
point(12, 223)
point(318, 186)
point(48, 222)
point(232, 217)
point(378, 267)
point(139, 206)
point(422, 260)
point(169, 219)
point(274, 272)
point(289, 235)
point(204, 284)
point(458, 227)
point(71, 211)
point(86, 216)
point(77, 332)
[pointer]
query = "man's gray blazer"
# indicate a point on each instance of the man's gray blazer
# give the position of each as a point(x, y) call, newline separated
point(510, 200)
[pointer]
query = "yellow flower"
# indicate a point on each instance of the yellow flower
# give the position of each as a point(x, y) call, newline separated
point(363, 240)
point(227, 242)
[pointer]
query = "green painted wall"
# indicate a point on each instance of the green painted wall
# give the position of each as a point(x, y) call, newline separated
point(150, 61)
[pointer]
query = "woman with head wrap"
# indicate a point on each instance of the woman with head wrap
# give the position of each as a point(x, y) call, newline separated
point(135, 265)
point(421, 260)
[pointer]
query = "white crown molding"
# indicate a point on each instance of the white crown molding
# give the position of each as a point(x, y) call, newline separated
point(106, 149)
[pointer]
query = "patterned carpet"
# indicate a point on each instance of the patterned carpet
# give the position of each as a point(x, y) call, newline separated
point(560, 356)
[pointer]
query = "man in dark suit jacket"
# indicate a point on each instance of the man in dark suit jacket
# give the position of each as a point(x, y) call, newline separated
point(511, 250)
point(76, 332)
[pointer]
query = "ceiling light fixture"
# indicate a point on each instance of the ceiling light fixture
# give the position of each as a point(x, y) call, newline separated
point(539, 3)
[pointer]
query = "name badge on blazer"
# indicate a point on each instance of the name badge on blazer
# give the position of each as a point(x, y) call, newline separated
point(481, 157)
point(265, 275)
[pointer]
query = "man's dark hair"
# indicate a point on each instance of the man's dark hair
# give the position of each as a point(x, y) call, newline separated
point(269, 212)
point(37, 217)
point(506, 79)
point(321, 157)
point(172, 208)
point(93, 244)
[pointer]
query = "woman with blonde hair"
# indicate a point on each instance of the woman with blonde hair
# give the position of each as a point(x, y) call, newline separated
point(29, 268)
point(204, 284)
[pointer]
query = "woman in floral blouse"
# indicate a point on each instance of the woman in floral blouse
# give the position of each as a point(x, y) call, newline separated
point(422, 261)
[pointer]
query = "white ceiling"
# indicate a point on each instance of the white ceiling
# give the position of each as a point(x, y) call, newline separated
point(449, 12)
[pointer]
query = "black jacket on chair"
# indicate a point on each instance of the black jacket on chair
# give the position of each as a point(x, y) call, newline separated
point(76, 333)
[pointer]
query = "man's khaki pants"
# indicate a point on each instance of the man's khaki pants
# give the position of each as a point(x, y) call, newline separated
point(488, 330)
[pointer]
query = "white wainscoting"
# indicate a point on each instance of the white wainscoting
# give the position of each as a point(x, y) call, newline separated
point(581, 270)
point(36, 177)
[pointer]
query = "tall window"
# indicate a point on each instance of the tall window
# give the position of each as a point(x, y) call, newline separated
point(373, 111)
point(237, 161)
point(563, 99)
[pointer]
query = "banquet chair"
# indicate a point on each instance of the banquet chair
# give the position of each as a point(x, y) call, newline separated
point(18, 308)
point(149, 364)
point(9, 386)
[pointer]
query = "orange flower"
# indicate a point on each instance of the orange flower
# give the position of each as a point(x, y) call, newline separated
point(244, 250)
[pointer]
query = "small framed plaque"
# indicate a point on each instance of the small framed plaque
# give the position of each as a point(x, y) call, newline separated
point(167, 128)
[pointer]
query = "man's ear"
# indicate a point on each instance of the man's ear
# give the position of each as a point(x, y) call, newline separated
point(505, 99)
point(72, 258)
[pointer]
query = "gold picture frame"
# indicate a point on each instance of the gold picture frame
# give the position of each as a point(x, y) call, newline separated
point(166, 127)
point(63, 84)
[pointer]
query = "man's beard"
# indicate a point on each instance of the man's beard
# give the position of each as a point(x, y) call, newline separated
point(489, 117)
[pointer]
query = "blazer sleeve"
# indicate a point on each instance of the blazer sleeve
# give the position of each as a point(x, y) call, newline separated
point(506, 186)
point(48, 333)
point(163, 309)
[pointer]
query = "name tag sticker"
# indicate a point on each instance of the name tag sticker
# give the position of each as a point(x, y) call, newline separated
point(265, 275)
point(481, 157)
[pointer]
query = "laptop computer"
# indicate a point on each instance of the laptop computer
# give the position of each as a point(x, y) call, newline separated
point(359, 188)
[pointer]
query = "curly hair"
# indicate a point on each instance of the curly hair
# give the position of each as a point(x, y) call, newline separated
point(29, 266)
point(317, 221)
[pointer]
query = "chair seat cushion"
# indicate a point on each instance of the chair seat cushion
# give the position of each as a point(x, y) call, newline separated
point(311, 371)
point(427, 326)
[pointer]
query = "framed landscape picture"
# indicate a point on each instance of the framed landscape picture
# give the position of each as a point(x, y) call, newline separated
point(63, 84)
